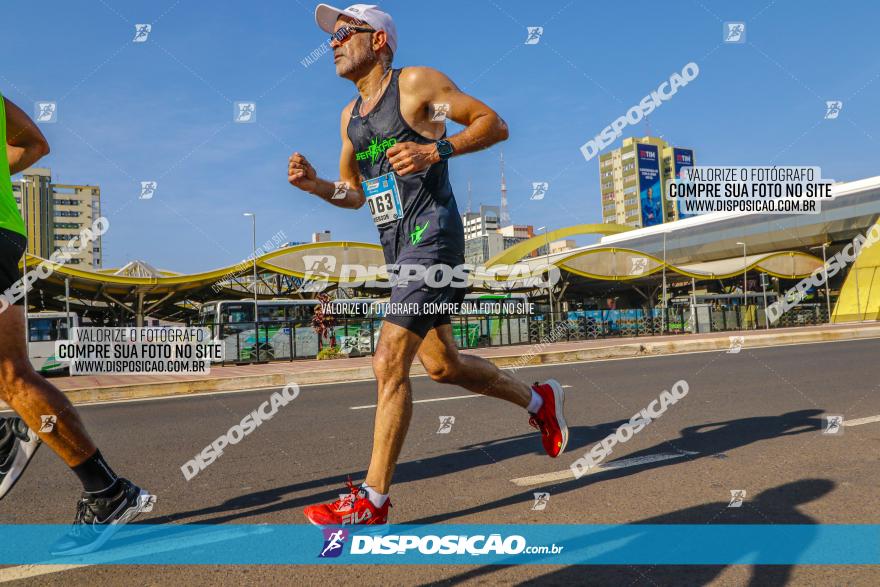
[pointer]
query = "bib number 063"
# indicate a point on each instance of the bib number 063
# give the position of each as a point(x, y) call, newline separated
point(381, 203)
point(383, 197)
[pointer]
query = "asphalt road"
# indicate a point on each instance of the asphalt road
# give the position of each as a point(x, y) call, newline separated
point(753, 420)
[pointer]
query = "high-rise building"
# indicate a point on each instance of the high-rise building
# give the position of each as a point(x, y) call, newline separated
point(488, 219)
point(322, 237)
point(674, 158)
point(55, 213)
point(484, 237)
point(481, 238)
point(76, 208)
point(632, 181)
point(33, 194)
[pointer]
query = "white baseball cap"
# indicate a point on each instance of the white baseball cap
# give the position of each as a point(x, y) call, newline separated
point(326, 15)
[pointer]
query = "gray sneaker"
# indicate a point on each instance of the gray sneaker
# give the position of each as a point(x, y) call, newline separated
point(98, 518)
point(25, 443)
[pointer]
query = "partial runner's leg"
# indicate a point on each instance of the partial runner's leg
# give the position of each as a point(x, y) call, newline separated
point(544, 402)
point(444, 364)
point(391, 364)
point(32, 396)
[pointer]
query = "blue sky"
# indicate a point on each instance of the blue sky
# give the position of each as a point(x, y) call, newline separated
point(162, 110)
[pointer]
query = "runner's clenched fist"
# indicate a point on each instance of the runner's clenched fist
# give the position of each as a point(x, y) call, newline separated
point(301, 174)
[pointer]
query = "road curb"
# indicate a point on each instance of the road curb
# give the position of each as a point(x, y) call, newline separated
point(530, 355)
point(647, 348)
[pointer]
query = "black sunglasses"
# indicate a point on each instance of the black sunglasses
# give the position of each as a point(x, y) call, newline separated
point(346, 32)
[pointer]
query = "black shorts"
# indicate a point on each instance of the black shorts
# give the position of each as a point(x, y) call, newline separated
point(407, 306)
point(12, 246)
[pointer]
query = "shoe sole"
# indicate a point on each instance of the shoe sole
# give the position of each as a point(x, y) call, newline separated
point(559, 403)
point(145, 503)
point(24, 453)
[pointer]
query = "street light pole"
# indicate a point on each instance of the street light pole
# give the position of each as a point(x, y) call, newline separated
point(664, 282)
point(764, 292)
point(67, 304)
point(745, 276)
point(256, 300)
point(549, 287)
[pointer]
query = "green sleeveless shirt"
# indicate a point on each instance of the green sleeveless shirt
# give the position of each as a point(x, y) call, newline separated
point(10, 218)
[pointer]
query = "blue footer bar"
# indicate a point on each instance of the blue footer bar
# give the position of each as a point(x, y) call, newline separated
point(630, 544)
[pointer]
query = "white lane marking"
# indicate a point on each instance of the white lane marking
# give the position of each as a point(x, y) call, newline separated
point(425, 401)
point(545, 365)
point(636, 461)
point(194, 395)
point(860, 421)
point(620, 464)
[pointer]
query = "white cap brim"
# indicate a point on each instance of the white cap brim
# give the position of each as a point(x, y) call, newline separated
point(326, 15)
point(369, 14)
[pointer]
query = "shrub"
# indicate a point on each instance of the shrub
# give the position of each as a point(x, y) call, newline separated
point(331, 352)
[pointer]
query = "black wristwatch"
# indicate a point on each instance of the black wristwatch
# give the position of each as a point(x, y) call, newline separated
point(444, 149)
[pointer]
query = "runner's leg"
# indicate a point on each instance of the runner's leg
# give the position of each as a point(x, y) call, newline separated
point(444, 364)
point(545, 402)
point(32, 396)
point(391, 364)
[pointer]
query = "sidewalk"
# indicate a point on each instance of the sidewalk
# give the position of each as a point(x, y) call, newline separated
point(87, 389)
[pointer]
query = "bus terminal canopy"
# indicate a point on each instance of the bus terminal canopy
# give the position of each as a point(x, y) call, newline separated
point(616, 264)
point(141, 290)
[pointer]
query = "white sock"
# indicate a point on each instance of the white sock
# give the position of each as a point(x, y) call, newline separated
point(376, 498)
point(536, 403)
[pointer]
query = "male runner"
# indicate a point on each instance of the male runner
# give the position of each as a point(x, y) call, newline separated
point(392, 140)
point(107, 501)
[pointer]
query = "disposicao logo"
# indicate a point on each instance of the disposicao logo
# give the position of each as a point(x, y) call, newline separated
point(442, 545)
point(333, 543)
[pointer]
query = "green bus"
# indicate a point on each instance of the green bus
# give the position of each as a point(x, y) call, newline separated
point(285, 328)
point(492, 320)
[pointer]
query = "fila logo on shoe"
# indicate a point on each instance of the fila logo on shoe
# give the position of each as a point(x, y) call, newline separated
point(355, 518)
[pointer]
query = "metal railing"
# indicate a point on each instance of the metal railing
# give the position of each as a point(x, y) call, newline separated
point(592, 324)
point(249, 342)
point(296, 340)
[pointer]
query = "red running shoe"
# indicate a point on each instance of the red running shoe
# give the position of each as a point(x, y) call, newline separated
point(550, 419)
point(352, 509)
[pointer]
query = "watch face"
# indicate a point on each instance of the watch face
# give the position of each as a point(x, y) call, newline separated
point(444, 148)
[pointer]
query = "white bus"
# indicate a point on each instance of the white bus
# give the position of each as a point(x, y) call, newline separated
point(44, 329)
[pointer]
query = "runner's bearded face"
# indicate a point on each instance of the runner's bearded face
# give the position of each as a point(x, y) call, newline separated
point(355, 52)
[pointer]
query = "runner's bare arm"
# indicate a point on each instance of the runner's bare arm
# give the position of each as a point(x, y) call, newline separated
point(420, 89)
point(348, 168)
point(25, 144)
point(301, 174)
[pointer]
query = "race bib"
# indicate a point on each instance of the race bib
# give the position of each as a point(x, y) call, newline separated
point(383, 198)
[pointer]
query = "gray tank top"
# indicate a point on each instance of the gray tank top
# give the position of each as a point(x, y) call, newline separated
point(430, 228)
